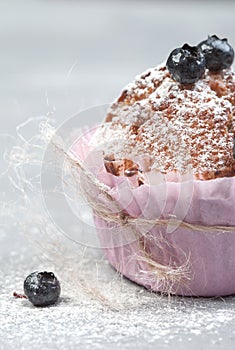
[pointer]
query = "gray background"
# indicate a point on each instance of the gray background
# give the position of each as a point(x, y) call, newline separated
point(65, 56)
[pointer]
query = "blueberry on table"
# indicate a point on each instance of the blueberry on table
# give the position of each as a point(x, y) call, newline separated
point(42, 288)
point(218, 53)
point(186, 64)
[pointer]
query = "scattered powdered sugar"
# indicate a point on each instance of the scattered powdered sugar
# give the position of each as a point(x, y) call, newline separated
point(115, 313)
point(141, 319)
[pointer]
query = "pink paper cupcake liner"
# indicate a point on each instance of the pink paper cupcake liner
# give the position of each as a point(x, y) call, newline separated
point(168, 257)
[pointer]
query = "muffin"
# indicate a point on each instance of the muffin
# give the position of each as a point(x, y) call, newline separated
point(167, 160)
point(157, 118)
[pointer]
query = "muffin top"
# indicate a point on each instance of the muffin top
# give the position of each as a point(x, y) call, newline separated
point(158, 124)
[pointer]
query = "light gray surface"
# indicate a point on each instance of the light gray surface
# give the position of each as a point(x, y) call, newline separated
point(66, 56)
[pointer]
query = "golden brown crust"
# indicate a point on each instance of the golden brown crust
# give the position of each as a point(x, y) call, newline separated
point(177, 127)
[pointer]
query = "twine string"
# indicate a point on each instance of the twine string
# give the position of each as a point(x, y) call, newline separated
point(168, 276)
point(121, 218)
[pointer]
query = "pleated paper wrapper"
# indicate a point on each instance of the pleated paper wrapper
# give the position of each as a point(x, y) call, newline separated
point(185, 252)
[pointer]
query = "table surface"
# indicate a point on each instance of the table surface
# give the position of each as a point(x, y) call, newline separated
point(61, 57)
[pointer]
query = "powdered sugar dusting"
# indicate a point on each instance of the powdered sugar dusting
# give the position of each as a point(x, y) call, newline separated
point(144, 320)
point(177, 127)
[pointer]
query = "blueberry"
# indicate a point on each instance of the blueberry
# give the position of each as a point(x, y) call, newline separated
point(186, 64)
point(218, 53)
point(42, 288)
